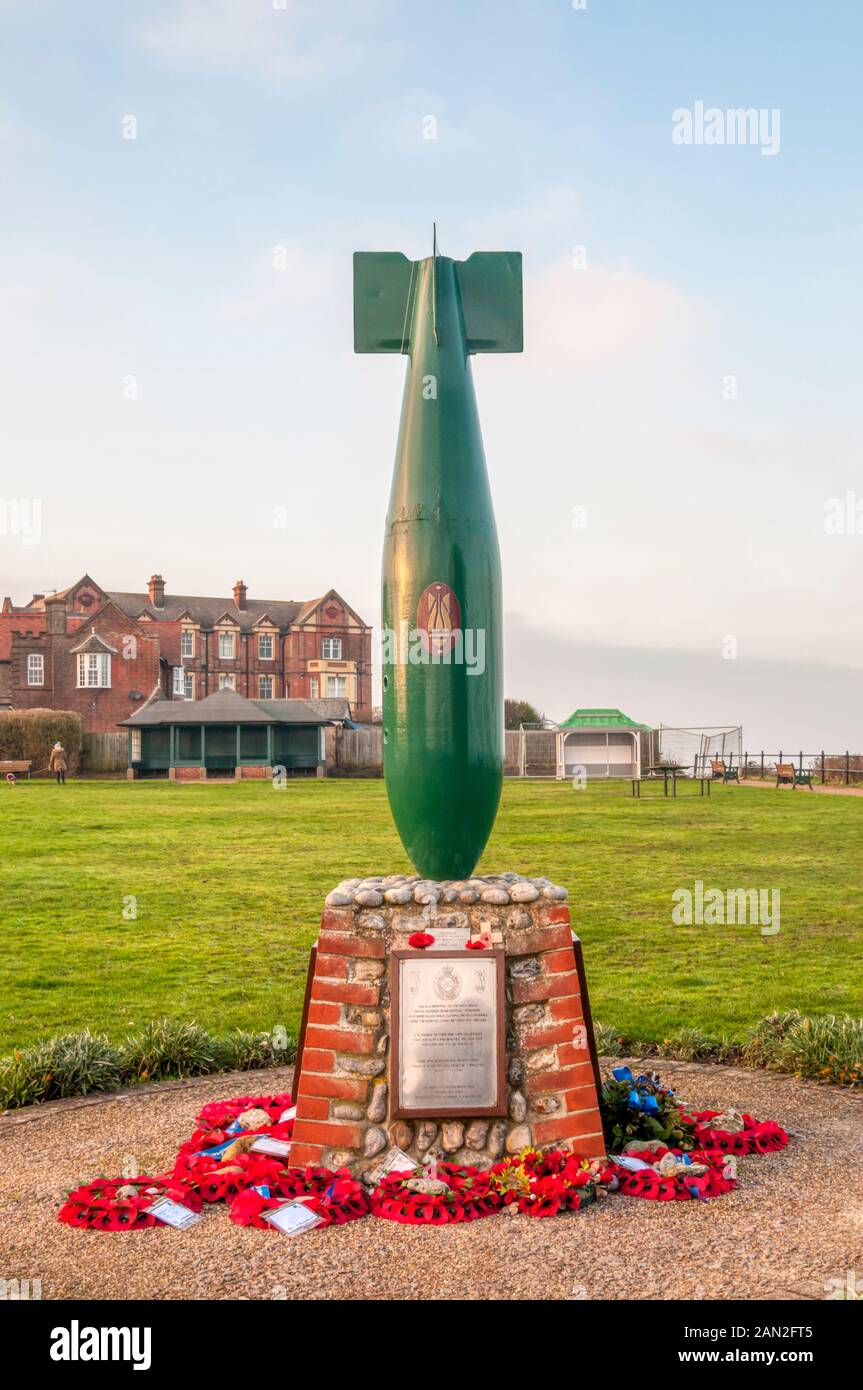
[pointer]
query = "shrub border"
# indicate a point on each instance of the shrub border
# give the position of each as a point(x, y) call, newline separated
point(789, 1043)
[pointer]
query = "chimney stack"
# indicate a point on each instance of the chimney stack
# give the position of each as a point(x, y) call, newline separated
point(156, 589)
point(240, 594)
point(55, 615)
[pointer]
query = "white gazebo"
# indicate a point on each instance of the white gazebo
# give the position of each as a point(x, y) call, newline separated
point(602, 742)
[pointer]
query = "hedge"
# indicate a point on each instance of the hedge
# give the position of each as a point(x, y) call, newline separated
point(32, 733)
point(829, 1048)
point(826, 1049)
point(77, 1064)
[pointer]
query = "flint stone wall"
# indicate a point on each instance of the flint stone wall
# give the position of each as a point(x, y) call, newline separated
point(343, 1101)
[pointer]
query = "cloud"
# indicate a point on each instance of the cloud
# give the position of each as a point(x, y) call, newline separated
point(286, 276)
point(274, 39)
point(790, 703)
point(581, 312)
point(588, 318)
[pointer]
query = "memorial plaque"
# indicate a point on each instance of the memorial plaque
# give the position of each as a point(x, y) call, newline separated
point(448, 1033)
point(448, 938)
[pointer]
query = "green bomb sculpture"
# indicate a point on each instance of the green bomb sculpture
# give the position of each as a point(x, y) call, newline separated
point(442, 639)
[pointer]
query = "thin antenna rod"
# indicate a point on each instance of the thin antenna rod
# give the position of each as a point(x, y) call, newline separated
point(434, 283)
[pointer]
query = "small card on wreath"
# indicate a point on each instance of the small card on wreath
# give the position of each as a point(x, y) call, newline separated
point(173, 1214)
point(396, 1161)
point(266, 1144)
point(293, 1218)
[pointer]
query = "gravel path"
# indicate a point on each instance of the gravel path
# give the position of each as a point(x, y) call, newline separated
point(795, 1222)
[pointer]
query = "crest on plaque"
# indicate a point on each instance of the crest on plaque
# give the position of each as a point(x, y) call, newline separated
point(479, 981)
point(446, 984)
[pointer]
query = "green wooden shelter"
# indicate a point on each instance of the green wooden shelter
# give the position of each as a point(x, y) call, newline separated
point(227, 735)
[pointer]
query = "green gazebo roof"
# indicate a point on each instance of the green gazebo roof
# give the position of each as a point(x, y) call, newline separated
point(601, 719)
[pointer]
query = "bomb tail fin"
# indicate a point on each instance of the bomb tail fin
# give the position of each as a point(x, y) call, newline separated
point(384, 286)
point(491, 300)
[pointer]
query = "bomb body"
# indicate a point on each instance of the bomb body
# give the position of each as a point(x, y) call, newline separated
point(441, 589)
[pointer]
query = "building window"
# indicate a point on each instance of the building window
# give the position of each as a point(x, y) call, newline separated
point(179, 681)
point(313, 687)
point(189, 684)
point(331, 649)
point(94, 669)
point(226, 646)
point(187, 642)
point(136, 745)
point(265, 687)
point(227, 680)
point(337, 686)
point(35, 668)
point(265, 646)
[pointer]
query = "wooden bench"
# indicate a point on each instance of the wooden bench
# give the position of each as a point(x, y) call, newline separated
point(720, 771)
point(797, 776)
point(9, 765)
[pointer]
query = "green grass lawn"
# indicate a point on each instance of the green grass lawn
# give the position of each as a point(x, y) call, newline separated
point(229, 882)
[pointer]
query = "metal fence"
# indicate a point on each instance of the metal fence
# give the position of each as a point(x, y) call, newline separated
point(840, 769)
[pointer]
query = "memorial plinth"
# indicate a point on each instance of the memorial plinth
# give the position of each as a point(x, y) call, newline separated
point(462, 1051)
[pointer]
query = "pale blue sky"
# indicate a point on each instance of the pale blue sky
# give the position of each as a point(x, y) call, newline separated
point(303, 128)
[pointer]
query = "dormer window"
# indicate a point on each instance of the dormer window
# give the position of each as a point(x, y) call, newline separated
point(265, 646)
point(187, 642)
point(331, 649)
point(94, 670)
point(226, 646)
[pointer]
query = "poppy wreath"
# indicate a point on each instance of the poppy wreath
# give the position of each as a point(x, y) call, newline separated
point(756, 1137)
point(682, 1187)
point(336, 1197)
point(468, 1197)
point(215, 1121)
point(543, 1184)
point(101, 1207)
point(220, 1113)
point(217, 1181)
point(536, 1183)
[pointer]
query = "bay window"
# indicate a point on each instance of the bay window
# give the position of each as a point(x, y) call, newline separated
point(94, 670)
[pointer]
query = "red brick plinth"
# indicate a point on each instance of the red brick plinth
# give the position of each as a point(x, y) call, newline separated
point(343, 1102)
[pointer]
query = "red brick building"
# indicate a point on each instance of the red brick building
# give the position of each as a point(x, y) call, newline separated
point(103, 653)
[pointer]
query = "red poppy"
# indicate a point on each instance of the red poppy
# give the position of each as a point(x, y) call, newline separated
point(420, 940)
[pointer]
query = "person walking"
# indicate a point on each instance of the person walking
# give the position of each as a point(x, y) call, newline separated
point(57, 763)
